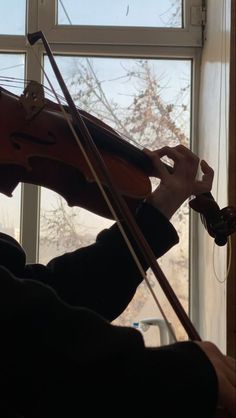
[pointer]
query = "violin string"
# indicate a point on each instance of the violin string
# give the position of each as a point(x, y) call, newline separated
point(116, 132)
point(13, 79)
point(6, 81)
point(104, 194)
point(7, 85)
point(120, 134)
point(10, 80)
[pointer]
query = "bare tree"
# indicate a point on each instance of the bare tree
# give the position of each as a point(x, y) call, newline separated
point(148, 120)
point(60, 227)
point(172, 17)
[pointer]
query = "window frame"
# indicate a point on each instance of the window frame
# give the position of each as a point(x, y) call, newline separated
point(172, 43)
point(189, 35)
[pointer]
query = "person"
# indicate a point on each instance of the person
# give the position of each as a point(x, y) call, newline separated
point(60, 352)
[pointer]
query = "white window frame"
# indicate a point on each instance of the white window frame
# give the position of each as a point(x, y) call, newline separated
point(189, 35)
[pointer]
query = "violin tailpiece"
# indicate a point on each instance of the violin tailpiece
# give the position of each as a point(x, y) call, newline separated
point(32, 99)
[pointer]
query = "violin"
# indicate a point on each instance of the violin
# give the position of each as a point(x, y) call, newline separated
point(38, 147)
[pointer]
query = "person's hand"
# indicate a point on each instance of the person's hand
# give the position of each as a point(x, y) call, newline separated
point(225, 368)
point(180, 182)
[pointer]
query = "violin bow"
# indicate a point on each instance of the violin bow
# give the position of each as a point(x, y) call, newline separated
point(119, 207)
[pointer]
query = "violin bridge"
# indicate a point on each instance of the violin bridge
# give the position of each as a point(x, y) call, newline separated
point(32, 99)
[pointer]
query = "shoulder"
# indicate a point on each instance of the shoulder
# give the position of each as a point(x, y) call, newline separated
point(12, 255)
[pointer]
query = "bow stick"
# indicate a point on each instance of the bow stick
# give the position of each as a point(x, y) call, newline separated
point(118, 206)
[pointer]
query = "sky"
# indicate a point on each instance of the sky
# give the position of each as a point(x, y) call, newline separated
point(150, 13)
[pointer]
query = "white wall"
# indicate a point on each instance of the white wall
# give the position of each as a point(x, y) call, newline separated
point(213, 142)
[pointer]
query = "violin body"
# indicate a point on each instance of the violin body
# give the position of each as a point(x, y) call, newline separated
point(39, 148)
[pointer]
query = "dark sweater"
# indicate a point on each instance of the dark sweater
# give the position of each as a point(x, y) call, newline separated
point(59, 352)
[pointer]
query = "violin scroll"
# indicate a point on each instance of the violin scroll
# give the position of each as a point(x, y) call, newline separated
point(219, 223)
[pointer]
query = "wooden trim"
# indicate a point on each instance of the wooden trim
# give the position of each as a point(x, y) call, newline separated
point(231, 284)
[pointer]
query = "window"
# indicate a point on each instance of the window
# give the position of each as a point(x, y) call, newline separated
point(139, 75)
point(11, 76)
point(109, 13)
point(16, 9)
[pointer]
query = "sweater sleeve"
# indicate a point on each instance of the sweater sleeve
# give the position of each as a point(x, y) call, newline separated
point(57, 360)
point(104, 276)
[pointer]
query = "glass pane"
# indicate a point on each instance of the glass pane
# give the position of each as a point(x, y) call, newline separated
point(148, 102)
point(11, 78)
point(10, 214)
point(12, 69)
point(149, 13)
point(12, 17)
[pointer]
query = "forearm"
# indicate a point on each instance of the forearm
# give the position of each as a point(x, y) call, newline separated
point(104, 276)
point(166, 201)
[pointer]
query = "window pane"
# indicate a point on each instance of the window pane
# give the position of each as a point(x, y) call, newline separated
point(149, 101)
point(11, 78)
point(12, 17)
point(10, 214)
point(149, 13)
point(12, 72)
